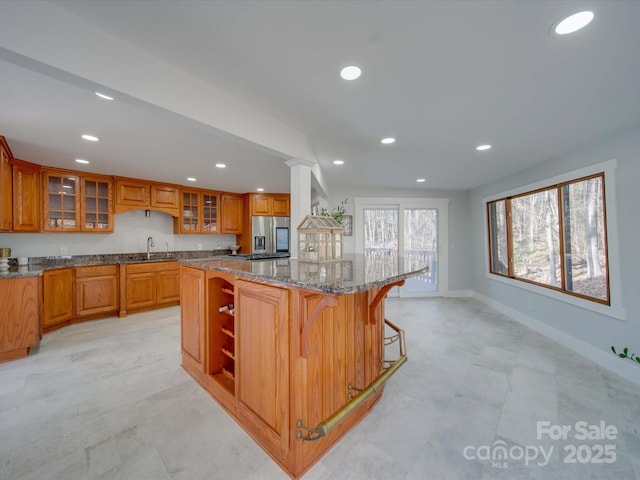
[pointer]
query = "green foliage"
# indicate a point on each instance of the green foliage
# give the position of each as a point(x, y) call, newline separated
point(337, 213)
point(625, 354)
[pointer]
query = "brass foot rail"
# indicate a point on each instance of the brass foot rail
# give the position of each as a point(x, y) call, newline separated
point(324, 427)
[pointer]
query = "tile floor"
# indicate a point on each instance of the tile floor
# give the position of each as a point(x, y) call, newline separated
point(108, 400)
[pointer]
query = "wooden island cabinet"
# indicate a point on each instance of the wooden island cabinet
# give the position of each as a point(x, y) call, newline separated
point(294, 352)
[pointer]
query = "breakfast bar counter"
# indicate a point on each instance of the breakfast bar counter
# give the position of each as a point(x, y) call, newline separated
point(297, 353)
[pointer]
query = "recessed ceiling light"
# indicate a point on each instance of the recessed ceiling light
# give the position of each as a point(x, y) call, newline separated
point(481, 148)
point(80, 160)
point(338, 162)
point(574, 22)
point(191, 179)
point(260, 189)
point(350, 72)
point(91, 138)
point(102, 95)
point(421, 180)
point(220, 165)
point(388, 140)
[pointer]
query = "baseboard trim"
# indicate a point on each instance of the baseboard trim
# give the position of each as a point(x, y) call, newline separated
point(606, 360)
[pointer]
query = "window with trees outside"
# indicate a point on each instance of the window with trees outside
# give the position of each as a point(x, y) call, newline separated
point(555, 237)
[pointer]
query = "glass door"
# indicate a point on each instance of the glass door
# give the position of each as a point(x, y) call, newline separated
point(381, 237)
point(414, 230)
point(421, 247)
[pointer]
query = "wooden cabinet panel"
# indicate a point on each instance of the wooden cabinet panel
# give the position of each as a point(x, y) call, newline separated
point(131, 195)
point(26, 197)
point(148, 285)
point(168, 286)
point(61, 202)
point(58, 297)
point(262, 361)
point(165, 198)
point(6, 211)
point(260, 205)
point(231, 213)
point(141, 290)
point(96, 204)
point(96, 290)
point(19, 316)
point(192, 313)
point(281, 205)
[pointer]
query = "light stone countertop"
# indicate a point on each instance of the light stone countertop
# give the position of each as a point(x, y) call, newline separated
point(354, 273)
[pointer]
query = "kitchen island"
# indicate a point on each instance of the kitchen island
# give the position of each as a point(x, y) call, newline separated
point(295, 352)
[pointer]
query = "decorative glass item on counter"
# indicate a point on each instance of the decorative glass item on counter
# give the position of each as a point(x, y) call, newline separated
point(319, 239)
point(5, 253)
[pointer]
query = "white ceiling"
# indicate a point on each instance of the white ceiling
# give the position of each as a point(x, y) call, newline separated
point(440, 76)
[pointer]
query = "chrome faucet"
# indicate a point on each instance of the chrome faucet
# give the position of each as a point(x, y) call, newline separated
point(166, 246)
point(149, 245)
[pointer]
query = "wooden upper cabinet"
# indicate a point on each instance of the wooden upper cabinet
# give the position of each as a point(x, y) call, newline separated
point(210, 212)
point(131, 195)
point(198, 212)
point(231, 216)
point(96, 204)
point(281, 205)
point(61, 205)
point(6, 211)
point(269, 204)
point(190, 219)
point(165, 198)
point(26, 197)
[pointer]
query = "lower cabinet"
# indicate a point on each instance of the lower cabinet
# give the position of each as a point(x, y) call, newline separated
point(262, 361)
point(19, 317)
point(149, 285)
point(192, 317)
point(96, 290)
point(58, 294)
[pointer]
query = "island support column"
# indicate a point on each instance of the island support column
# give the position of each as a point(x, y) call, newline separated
point(300, 197)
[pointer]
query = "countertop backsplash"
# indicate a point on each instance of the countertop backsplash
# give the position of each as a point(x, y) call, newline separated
point(131, 232)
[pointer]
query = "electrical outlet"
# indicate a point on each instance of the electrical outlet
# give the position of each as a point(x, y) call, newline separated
point(64, 250)
point(199, 246)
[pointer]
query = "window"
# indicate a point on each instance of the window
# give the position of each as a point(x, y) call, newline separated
point(553, 237)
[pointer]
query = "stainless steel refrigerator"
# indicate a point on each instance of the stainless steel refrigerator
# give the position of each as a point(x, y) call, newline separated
point(270, 234)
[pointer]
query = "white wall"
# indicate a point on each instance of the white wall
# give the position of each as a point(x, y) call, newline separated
point(130, 236)
point(589, 332)
point(459, 244)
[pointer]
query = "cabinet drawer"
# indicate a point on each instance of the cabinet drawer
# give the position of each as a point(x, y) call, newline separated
point(152, 267)
point(96, 271)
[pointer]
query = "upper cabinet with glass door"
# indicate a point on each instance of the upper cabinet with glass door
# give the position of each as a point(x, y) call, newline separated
point(96, 205)
point(61, 209)
point(209, 212)
point(190, 211)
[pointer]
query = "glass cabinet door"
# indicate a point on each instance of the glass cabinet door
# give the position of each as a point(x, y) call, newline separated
point(190, 212)
point(62, 201)
point(96, 205)
point(210, 213)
